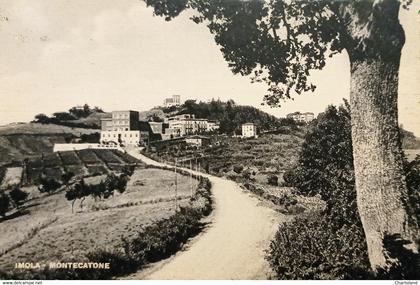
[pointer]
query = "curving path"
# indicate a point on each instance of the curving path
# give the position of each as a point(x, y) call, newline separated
point(232, 247)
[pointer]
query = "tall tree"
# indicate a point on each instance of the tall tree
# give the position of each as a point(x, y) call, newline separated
point(279, 42)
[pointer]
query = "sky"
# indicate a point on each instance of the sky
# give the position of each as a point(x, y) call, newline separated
point(117, 55)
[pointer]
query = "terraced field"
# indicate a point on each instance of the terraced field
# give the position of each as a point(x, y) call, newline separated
point(81, 162)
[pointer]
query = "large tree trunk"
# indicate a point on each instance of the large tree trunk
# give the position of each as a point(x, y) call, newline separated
point(375, 39)
point(380, 183)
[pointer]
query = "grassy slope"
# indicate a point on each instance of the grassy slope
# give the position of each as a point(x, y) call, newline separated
point(63, 236)
point(93, 119)
point(36, 128)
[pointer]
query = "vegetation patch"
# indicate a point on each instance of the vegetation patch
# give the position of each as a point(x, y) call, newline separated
point(331, 244)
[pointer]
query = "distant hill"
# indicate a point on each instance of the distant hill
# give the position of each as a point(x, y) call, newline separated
point(78, 117)
point(410, 141)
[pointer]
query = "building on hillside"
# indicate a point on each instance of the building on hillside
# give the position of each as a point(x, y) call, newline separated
point(249, 130)
point(175, 100)
point(213, 125)
point(197, 140)
point(301, 117)
point(187, 124)
point(122, 128)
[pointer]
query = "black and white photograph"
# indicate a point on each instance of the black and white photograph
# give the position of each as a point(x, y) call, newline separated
point(209, 140)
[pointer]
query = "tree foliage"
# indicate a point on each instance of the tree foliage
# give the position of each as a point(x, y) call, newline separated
point(48, 184)
point(280, 42)
point(69, 118)
point(102, 190)
point(325, 167)
point(232, 116)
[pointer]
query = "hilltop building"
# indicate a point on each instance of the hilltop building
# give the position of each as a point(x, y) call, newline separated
point(301, 117)
point(249, 130)
point(175, 100)
point(123, 127)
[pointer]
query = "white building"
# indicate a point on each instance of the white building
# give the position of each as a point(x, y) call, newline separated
point(301, 117)
point(249, 130)
point(121, 128)
point(213, 126)
point(187, 124)
point(197, 140)
point(175, 100)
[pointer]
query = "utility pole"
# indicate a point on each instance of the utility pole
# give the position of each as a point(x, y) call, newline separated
point(176, 187)
point(191, 186)
point(196, 169)
point(199, 169)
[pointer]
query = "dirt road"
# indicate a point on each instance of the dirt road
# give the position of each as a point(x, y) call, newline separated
point(232, 247)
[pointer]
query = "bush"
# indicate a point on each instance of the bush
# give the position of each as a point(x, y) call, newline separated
point(273, 180)
point(48, 185)
point(310, 248)
point(4, 204)
point(18, 196)
point(238, 168)
point(412, 175)
point(326, 168)
point(120, 263)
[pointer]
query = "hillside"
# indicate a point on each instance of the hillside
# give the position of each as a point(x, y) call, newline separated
point(230, 115)
point(38, 129)
point(47, 230)
point(93, 120)
point(20, 141)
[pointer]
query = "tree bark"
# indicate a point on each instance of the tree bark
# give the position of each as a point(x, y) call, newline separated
point(382, 197)
point(374, 40)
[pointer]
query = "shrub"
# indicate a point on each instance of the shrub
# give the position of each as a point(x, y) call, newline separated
point(238, 168)
point(4, 204)
point(120, 263)
point(48, 185)
point(412, 172)
point(310, 248)
point(66, 177)
point(273, 180)
point(18, 196)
